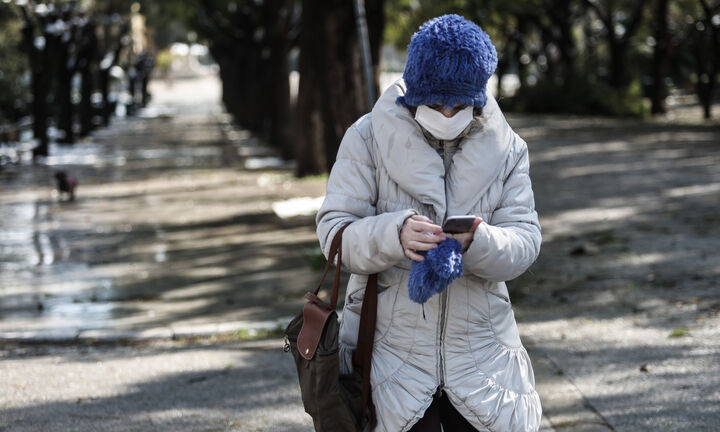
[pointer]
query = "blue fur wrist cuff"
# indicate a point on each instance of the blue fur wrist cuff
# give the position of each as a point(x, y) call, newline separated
point(440, 267)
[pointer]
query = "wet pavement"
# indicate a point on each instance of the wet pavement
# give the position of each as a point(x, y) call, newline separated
point(174, 235)
point(169, 233)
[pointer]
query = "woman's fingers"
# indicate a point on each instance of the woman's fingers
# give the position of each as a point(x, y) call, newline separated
point(420, 226)
point(420, 234)
point(421, 218)
point(428, 238)
point(416, 245)
point(413, 256)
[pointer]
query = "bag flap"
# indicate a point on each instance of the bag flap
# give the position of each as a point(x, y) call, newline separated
point(315, 315)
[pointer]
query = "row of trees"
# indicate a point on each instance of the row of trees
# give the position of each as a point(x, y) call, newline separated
point(579, 56)
point(593, 56)
point(64, 60)
point(252, 40)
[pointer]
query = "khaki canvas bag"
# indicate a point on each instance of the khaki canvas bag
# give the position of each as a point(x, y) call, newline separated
point(336, 402)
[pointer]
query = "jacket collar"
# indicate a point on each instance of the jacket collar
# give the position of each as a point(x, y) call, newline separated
point(417, 168)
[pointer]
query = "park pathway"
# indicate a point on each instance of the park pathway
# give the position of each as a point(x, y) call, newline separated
point(135, 307)
point(170, 234)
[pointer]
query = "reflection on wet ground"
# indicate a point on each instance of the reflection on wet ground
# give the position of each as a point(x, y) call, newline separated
point(168, 230)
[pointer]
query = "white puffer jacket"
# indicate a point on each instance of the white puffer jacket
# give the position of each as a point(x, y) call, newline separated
point(467, 343)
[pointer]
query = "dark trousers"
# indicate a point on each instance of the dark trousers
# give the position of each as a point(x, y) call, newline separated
point(441, 412)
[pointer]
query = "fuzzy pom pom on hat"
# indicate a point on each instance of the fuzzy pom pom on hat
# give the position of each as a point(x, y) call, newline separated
point(450, 60)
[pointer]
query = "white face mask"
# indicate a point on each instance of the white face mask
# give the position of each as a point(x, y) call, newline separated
point(441, 127)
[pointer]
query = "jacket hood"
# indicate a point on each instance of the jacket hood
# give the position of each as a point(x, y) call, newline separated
point(417, 168)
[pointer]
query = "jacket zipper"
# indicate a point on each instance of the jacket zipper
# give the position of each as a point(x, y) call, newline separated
point(441, 344)
point(443, 304)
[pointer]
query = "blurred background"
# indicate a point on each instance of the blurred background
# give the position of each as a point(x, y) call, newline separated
point(161, 163)
point(67, 66)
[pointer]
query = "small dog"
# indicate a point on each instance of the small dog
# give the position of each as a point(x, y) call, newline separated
point(66, 184)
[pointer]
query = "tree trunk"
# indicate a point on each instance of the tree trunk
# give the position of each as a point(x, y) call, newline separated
point(519, 49)
point(311, 100)
point(618, 44)
point(619, 77)
point(39, 110)
point(566, 44)
point(253, 97)
point(660, 60)
point(346, 99)
point(132, 79)
point(704, 90)
point(280, 121)
point(706, 66)
point(107, 106)
point(714, 67)
point(37, 57)
point(618, 63)
point(375, 13)
point(87, 62)
point(86, 111)
point(332, 94)
point(64, 105)
point(221, 54)
point(47, 66)
point(502, 68)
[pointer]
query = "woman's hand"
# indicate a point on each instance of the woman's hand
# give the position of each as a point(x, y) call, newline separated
point(466, 238)
point(419, 233)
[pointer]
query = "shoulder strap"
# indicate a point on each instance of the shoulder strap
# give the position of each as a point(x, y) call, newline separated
point(362, 357)
point(335, 249)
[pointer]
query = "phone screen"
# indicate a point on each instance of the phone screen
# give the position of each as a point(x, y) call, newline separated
point(458, 224)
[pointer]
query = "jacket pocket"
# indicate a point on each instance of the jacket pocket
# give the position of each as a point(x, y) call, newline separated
point(502, 318)
point(388, 289)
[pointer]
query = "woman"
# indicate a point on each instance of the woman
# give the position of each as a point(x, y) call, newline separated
point(436, 145)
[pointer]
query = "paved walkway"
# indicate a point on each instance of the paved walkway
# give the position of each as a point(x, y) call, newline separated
point(625, 297)
point(170, 235)
point(173, 237)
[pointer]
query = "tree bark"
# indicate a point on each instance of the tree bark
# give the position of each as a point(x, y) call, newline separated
point(619, 78)
point(331, 95)
point(280, 121)
point(309, 111)
point(64, 105)
point(87, 58)
point(564, 20)
point(660, 60)
point(375, 13)
point(86, 111)
point(708, 68)
point(39, 76)
point(618, 44)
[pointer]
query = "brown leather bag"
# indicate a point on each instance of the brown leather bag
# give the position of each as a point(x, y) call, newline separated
point(335, 402)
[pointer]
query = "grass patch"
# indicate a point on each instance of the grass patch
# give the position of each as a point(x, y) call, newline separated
point(258, 334)
point(315, 177)
point(242, 335)
point(679, 332)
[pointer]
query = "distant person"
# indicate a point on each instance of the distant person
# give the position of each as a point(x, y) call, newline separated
point(437, 145)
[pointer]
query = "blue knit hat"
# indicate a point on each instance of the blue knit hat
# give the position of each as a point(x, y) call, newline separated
point(450, 60)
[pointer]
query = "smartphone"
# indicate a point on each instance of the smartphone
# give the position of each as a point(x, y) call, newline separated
point(458, 224)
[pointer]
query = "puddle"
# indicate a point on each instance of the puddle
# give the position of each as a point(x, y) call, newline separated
point(163, 208)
